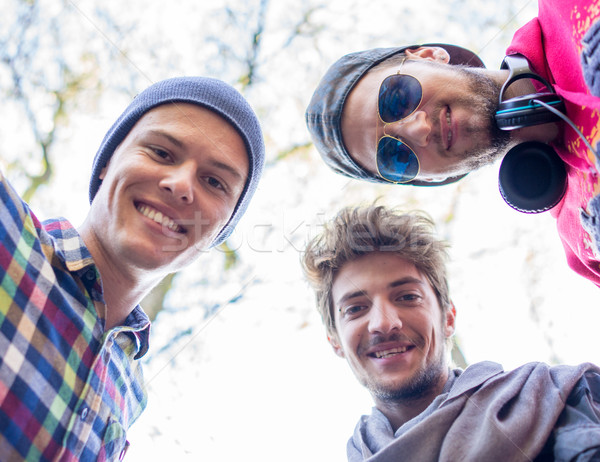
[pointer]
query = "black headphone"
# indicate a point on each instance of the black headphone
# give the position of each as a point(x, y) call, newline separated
point(532, 176)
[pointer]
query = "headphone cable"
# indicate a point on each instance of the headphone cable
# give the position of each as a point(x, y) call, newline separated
point(567, 120)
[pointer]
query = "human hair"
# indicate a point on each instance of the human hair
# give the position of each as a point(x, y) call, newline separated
point(357, 231)
point(393, 61)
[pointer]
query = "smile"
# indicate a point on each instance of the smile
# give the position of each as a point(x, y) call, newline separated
point(391, 352)
point(159, 218)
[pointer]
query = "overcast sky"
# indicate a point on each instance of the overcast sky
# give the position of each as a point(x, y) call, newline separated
point(239, 367)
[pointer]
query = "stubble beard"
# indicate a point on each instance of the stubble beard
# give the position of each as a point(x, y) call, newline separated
point(423, 383)
point(486, 93)
point(483, 102)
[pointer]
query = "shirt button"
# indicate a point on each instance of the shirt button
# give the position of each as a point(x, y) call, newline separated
point(90, 275)
point(84, 413)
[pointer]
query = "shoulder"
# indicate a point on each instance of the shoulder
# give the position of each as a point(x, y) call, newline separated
point(11, 204)
point(558, 374)
point(17, 222)
point(489, 377)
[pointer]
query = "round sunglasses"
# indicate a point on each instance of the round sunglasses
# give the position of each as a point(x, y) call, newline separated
point(399, 96)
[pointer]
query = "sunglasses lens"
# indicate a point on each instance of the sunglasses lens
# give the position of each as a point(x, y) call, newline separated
point(396, 162)
point(399, 96)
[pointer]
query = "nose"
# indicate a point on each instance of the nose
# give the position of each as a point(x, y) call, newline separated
point(384, 318)
point(179, 180)
point(414, 130)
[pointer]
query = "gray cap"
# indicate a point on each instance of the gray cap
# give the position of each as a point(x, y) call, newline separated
point(210, 93)
point(324, 112)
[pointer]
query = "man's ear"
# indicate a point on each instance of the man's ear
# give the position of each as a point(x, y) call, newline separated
point(335, 344)
point(429, 53)
point(450, 319)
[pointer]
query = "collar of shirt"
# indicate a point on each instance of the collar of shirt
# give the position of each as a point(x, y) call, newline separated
point(71, 249)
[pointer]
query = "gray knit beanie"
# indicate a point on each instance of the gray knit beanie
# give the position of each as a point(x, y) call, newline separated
point(206, 92)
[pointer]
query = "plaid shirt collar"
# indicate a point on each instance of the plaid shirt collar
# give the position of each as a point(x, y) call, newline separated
point(73, 252)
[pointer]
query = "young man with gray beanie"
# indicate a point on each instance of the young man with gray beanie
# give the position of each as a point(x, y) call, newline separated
point(172, 178)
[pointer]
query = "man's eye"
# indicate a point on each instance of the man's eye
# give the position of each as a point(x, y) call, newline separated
point(161, 153)
point(409, 297)
point(353, 310)
point(212, 181)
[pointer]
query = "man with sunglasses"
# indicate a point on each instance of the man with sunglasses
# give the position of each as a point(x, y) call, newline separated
point(171, 179)
point(380, 280)
point(426, 116)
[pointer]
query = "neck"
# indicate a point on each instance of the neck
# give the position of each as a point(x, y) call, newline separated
point(400, 411)
point(123, 286)
point(544, 133)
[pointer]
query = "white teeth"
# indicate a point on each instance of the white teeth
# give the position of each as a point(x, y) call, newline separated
point(389, 353)
point(158, 217)
point(449, 131)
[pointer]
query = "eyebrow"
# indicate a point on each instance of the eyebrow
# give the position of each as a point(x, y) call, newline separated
point(406, 280)
point(391, 285)
point(180, 144)
point(232, 170)
point(176, 141)
point(350, 295)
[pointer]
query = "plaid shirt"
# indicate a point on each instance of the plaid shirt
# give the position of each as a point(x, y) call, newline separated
point(68, 389)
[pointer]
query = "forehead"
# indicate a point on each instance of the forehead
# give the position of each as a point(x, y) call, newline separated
point(183, 115)
point(191, 123)
point(196, 130)
point(374, 271)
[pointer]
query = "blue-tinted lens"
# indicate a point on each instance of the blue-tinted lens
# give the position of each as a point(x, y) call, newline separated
point(396, 162)
point(399, 96)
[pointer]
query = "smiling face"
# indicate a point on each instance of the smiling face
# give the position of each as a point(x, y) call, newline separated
point(452, 131)
point(390, 327)
point(169, 188)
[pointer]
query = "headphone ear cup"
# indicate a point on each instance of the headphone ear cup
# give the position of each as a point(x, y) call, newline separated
point(532, 177)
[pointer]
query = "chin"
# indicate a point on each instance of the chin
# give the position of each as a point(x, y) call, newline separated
point(422, 383)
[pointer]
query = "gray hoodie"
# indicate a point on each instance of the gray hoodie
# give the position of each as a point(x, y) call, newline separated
point(487, 414)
